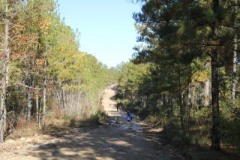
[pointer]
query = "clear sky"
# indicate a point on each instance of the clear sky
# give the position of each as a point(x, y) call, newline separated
point(106, 27)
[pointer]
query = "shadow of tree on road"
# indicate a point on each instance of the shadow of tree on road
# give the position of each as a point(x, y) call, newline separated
point(106, 142)
point(102, 143)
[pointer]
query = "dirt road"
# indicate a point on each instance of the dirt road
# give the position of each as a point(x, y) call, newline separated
point(118, 141)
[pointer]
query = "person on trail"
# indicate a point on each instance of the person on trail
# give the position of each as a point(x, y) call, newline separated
point(118, 106)
point(129, 116)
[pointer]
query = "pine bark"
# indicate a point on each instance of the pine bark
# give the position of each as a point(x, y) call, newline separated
point(215, 103)
point(215, 87)
point(182, 109)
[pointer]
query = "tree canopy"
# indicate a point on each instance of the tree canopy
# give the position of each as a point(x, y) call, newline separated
point(190, 46)
point(42, 66)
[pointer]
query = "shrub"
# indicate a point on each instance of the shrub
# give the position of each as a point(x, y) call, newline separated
point(94, 120)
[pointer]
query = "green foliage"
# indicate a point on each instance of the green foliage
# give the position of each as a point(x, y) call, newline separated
point(202, 116)
point(172, 134)
point(230, 124)
point(180, 40)
point(130, 80)
point(75, 80)
point(95, 119)
point(157, 121)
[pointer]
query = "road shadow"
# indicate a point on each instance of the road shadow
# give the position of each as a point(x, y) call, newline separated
point(117, 140)
point(102, 143)
point(107, 142)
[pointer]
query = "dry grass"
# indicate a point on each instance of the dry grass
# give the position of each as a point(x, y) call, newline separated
point(24, 129)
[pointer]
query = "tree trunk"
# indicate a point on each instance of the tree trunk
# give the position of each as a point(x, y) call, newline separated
point(30, 95)
point(182, 110)
point(215, 86)
point(44, 94)
point(234, 73)
point(5, 76)
point(62, 97)
point(207, 87)
point(189, 96)
point(58, 94)
point(163, 101)
point(39, 113)
point(206, 93)
point(29, 83)
point(170, 105)
point(215, 103)
point(37, 110)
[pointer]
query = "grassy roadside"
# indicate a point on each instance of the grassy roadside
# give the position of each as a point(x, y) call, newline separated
point(186, 145)
point(56, 123)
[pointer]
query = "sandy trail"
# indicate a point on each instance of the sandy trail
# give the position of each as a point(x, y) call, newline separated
point(118, 142)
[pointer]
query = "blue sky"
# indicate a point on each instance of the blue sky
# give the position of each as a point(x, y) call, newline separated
point(106, 27)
